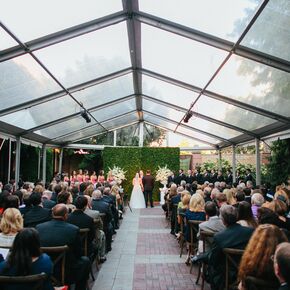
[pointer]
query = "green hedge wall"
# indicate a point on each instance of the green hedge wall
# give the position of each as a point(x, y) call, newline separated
point(134, 159)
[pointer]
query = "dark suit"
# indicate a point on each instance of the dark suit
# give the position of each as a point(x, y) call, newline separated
point(59, 233)
point(249, 177)
point(36, 215)
point(229, 179)
point(234, 236)
point(171, 179)
point(48, 203)
point(111, 200)
point(148, 184)
point(189, 179)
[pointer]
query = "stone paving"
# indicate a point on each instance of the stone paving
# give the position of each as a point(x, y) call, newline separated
point(145, 256)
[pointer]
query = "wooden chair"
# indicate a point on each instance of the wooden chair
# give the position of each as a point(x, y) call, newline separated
point(253, 283)
point(169, 212)
point(58, 256)
point(182, 237)
point(233, 257)
point(36, 281)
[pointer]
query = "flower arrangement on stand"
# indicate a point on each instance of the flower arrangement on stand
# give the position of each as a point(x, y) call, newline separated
point(162, 175)
point(118, 174)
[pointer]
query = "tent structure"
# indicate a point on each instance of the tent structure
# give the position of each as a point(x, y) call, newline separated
point(221, 65)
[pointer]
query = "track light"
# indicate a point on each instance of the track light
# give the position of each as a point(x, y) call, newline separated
point(187, 116)
point(85, 115)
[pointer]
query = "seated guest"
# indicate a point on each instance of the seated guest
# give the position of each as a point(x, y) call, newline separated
point(245, 215)
point(56, 190)
point(234, 236)
point(12, 201)
point(11, 223)
point(247, 192)
point(212, 224)
point(89, 190)
point(221, 199)
point(111, 199)
point(58, 232)
point(282, 265)
point(207, 193)
point(230, 196)
point(26, 203)
point(37, 214)
point(83, 187)
point(257, 200)
point(257, 258)
point(26, 259)
point(19, 194)
point(3, 197)
point(65, 197)
point(46, 200)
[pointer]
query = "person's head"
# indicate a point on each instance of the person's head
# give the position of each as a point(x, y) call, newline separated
point(180, 189)
point(26, 246)
point(173, 189)
point(19, 194)
point(196, 203)
point(8, 187)
point(89, 190)
point(260, 249)
point(247, 191)
point(28, 186)
point(80, 171)
point(26, 198)
point(11, 222)
point(229, 215)
point(221, 198)
point(230, 196)
point(57, 188)
point(101, 172)
point(65, 197)
point(183, 183)
point(240, 196)
point(81, 202)
point(137, 175)
point(107, 191)
point(245, 213)
point(210, 209)
point(282, 262)
point(12, 201)
point(268, 216)
point(97, 194)
point(47, 194)
point(185, 200)
point(282, 195)
point(217, 184)
point(249, 184)
point(60, 211)
point(277, 206)
point(35, 198)
point(83, 186)
point(39, 188)
point(148, 172)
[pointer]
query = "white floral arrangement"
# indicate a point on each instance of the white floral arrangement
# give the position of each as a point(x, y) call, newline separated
point(118, 174)
point(162, 174)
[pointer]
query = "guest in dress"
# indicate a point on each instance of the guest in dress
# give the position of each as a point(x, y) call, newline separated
point(110, 177)
point(80, 177)
point(66, 198)
point(101, 177)
point(11, 224)
point(94, 178)
point(26, 259)
point(73, 178)
point(86, 177)
point(245, 215)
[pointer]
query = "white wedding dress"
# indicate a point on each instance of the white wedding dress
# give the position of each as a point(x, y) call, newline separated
point(137, 197)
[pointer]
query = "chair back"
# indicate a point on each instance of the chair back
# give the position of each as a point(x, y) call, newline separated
point(84, 239)
point(58, 256)
point(253, 283)
point(193, 227)
point(36, 282)
point(205, 236)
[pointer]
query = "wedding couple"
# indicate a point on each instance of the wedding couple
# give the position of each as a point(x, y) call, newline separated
point(142, 190)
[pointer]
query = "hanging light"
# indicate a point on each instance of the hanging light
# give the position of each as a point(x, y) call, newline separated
point(187, 116)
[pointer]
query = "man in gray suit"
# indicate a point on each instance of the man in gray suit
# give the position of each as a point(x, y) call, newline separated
point(213, 224)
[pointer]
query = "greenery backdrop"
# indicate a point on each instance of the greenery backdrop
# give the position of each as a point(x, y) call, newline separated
point(134, 159)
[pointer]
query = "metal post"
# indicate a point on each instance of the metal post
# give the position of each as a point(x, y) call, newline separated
point(17, 160)
point(39, 163)
point(167, 138)
point(9, 161)
point(258, 162)
point(141, 134)
point(234, 163)
point(220, 159)
point(60, 161)
point(115, 138)
point(44, 163)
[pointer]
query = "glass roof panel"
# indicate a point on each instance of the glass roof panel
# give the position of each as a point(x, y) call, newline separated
point(255, 84)
point(231, 114)
point(179, 57)
point(51, 16)
point(121, 121)
point(167, 92)
point(106, 91)
point(43, 113)
point(6, 40)
point(22, 80)
point(270, 32)
point(114, 110)
point(65, 127)
point(88, 56)
point(218, 18)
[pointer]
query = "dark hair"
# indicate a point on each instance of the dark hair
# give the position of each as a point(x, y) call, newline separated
point(245, 213)
point(8, 187)
point(26, 186)
point(81, 202)
point(57, 189)
point(63, 197)
point(229, 214)
point(267, 216)
point(3, 197)
point(247, 191)
point(210, 209)
point(194, 187)
point(240, 196)
point(19, 194)
point(12, 201)
point(35, 198)
point(83, 186)
point(25, 246)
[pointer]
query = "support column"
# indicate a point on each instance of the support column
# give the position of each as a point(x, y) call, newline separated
point(115, 138)
point(258, 162)
point(234, 163)
point(44, 163)
point(9, 160)
point(60, 161)
point(39, 163)
point(220, 159)
point(141, 134)
point(17, 160)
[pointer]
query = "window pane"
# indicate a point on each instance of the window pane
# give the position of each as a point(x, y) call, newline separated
point(231, 114)
point(22, 80)
point(43, 113)
point(45, 17)
point(114, 110)
point(88, 56)
point(255, 84)
point(6, 41)
point(106, 92)
point(167, 92)
point(121, 121)
point(270, 32)
point(179, 57)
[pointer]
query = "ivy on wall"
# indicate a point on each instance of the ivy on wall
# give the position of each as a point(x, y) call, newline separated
point(133, 160)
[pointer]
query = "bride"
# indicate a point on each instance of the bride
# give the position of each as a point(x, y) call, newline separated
point(137, 198)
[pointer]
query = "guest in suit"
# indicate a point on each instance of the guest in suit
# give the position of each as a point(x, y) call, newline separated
point(148, 184)
point(282, 265)
point(58, 232)
point(56, 190)
point(46, 200)
point(229, 178)
point(171, 179)
point(220, 177)
point(213, 176)
point(249, 175)
point(234, 236)
point(189, 177)
point(37, 214)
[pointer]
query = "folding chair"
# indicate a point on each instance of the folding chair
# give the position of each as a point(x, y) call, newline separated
point(182, 238)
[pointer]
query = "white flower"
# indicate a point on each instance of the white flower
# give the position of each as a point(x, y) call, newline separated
point(118, 174)
point(162, 174)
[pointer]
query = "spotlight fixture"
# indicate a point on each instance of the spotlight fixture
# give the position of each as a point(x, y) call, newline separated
point(85, 115)
point(187, 116)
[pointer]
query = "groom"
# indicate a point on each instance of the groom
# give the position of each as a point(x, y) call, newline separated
point(148, 184)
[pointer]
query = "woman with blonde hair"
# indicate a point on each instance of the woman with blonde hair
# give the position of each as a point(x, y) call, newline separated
point(230, 196)
point(89, 190)
point(11, 224)
point(257, 258)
